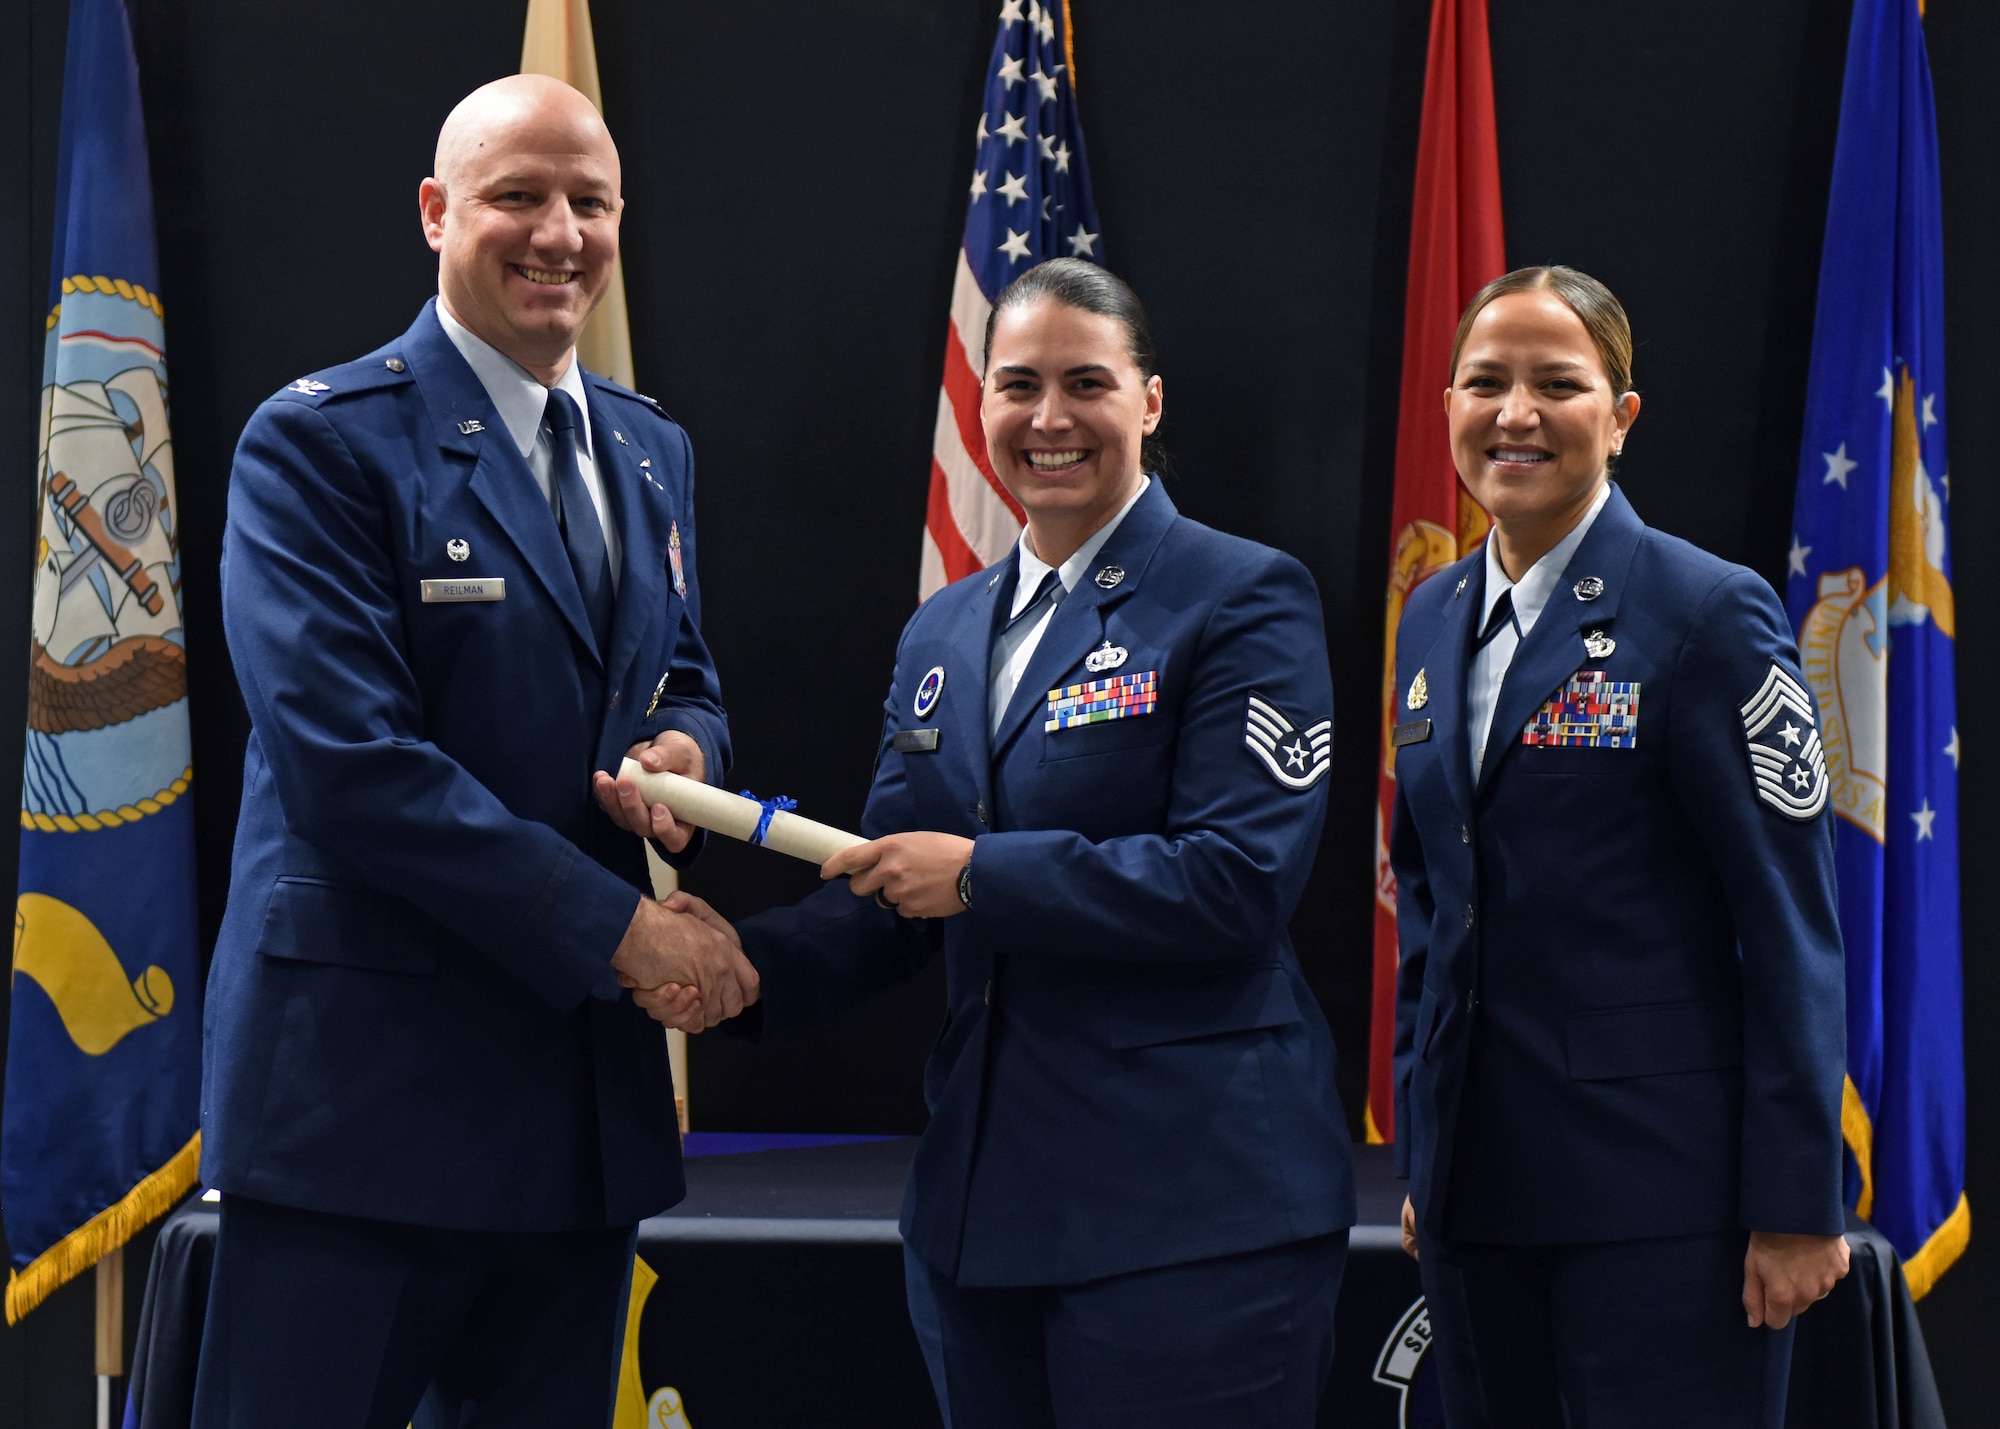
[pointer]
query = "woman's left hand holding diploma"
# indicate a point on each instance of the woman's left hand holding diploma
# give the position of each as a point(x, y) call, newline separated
point(915, 874)
point(671, 752)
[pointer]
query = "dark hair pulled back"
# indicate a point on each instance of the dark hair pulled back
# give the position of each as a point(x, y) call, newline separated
point(1075, 283)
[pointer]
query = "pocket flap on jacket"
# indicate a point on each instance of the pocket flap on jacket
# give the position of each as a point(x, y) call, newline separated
point(1176, 1011)
point(1651, 1041)
point(310, 920)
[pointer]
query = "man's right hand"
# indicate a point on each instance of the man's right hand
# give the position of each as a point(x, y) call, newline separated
point(672, 946)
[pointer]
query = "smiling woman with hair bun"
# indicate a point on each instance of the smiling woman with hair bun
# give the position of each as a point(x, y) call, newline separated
point(1619, 1044)
point(1098, 792)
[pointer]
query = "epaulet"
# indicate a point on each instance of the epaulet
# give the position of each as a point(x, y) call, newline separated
point(607, 386)
point(382, 368)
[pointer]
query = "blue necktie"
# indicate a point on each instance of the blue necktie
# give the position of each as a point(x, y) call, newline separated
point(1500, 618)
point(1050, 591)
point(576, 518)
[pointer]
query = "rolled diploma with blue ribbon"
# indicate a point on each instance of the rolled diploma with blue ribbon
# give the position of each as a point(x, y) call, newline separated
point(722, 812)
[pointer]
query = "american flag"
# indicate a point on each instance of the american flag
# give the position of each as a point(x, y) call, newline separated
point(1030, 200)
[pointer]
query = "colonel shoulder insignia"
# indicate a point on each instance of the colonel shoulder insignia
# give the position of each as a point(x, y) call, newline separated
point(1296, 758)
point(1787, 761)
point(309, 387)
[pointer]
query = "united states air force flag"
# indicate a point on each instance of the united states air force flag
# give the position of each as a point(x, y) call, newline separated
point(1870, 593)
point(104, 1051)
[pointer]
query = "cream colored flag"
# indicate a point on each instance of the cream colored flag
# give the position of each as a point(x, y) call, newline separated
point(558, 42)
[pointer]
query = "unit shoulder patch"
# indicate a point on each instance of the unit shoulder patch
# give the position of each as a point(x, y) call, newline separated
point(1787, 760)
point(1297, 758)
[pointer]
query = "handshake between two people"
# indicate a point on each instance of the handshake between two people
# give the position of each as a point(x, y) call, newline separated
point(684, 962)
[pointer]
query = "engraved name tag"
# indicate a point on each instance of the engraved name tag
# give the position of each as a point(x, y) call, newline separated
point(915, 741)
point(478, 588)
point(1415, 732)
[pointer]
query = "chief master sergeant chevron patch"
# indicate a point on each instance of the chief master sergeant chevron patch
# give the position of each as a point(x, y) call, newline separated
point(1787, 761)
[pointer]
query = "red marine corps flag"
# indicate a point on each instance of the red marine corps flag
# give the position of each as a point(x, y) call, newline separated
point(1455, 250)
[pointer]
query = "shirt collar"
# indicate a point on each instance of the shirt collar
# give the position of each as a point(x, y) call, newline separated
point(1532, 591)
point(516, 395)
point(1033, 567)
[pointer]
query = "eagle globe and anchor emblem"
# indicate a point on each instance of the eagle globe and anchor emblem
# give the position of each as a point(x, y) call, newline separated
point(107, 684)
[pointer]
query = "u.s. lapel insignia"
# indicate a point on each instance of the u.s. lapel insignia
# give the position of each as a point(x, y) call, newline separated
point(1110, 576)
point(1598, 646)
point(458, 550)
point(1589, 588)
point(1296, 758)
point(658, 690)
point(471, 425)
point(1787, 761)
point(674, 557)
point(1420, 691)
point(1106, 657)
point(928, 691)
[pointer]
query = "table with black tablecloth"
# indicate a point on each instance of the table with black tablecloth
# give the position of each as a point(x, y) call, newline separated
point(780, 1303)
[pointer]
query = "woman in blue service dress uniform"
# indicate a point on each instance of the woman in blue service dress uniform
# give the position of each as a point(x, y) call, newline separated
point(1619, 1039)
point(1099, 788)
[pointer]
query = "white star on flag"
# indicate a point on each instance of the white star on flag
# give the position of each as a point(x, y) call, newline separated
point(1047, 84)
point(1048, 143)
point(1062, 158)
point(1047, 28)
point(979, 191)
point(1015, 188)
point(1930, 411)
point(1888, 389)
point(1016, 245)
point(1798, 555)
point(1010, 71)
point(1837, 467)
point(1010, 11)
point(1011, 130)
point(1081, 244)
point(1952, 748)
point(1925, 817)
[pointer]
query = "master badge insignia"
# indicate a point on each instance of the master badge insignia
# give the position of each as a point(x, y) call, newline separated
point(1787, 761)
point(1420, 692)
point(458, 550)
point(1296, 758)
point(1106, 657)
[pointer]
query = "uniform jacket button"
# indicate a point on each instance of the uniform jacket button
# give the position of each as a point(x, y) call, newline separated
point(981, 811)
point(1468, 915)
point(988, 994)
point(1464, 834)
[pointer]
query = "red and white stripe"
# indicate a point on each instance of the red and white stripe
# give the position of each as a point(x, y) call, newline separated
point(971, 521)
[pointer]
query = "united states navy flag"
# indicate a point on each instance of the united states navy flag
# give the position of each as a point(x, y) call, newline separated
point(104, 1051)
point(1030, 200)
point(1870, 592)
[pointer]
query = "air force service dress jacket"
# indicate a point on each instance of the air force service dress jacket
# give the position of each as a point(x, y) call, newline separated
point(410, 1012)
point(1132, 1071)
point(1620, 1006)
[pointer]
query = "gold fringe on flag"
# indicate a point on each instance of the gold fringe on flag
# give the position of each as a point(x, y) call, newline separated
point(104, 1232)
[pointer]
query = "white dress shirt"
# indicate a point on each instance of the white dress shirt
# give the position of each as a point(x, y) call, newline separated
point(521, 401)
point(1531, 597)
point(1013, 649)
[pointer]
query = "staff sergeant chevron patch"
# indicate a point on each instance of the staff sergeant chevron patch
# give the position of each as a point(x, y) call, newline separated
point(1296, 758)
point(1787, 762)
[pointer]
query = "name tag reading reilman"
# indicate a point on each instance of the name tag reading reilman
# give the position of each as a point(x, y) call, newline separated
point(478, 588)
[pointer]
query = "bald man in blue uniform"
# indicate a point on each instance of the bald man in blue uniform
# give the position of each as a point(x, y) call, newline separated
point(458, 581)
